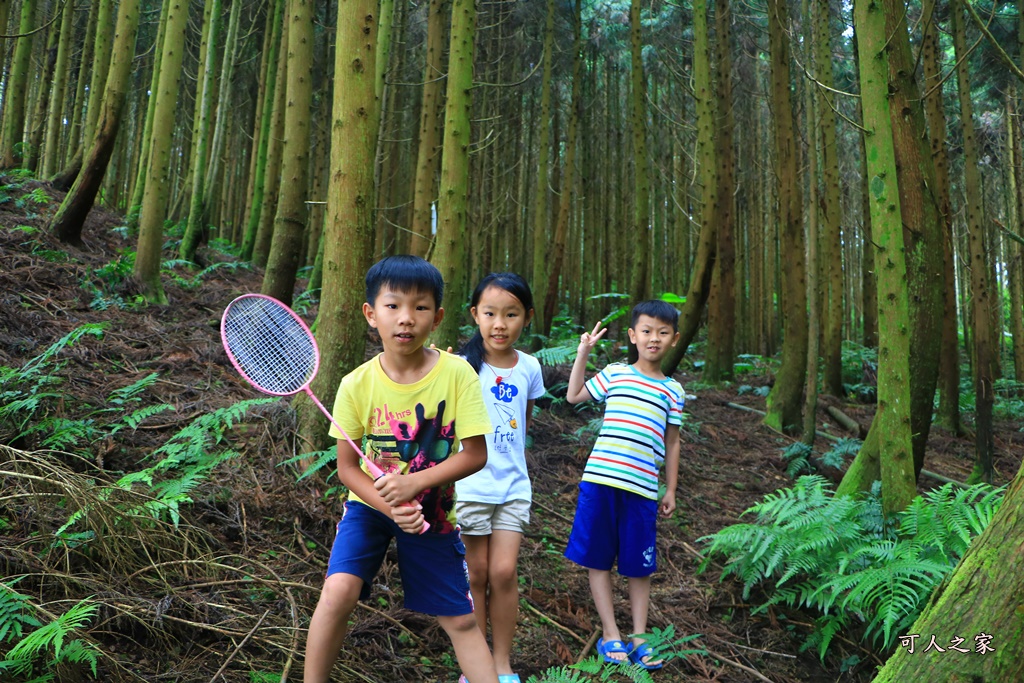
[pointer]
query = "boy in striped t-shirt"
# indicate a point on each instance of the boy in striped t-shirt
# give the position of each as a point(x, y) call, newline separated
point(617, 508)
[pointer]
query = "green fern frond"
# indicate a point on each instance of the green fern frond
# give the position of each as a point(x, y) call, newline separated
point(133, 420)
point(52, 636)
point(318, 461)
point(557, 355)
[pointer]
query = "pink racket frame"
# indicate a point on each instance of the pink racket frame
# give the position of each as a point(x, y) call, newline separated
point(375, 471)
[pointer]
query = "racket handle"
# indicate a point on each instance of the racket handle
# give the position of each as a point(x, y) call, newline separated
point(375, 471)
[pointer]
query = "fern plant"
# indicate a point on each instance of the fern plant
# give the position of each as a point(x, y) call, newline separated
point(48, 645)
point(838, 556)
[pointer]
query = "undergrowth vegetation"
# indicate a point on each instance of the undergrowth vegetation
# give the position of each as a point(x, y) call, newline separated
point(838, 556)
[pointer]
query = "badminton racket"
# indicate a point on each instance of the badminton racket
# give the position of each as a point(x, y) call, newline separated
point(274, 351)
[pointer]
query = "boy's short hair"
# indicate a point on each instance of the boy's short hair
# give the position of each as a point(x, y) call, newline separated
point(661, 311)
point(404, 273)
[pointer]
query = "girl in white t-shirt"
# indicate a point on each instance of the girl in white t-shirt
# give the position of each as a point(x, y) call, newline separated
point(493, 505)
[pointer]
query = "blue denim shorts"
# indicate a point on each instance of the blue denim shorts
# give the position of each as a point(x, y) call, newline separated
point(432, 566)
point(612, 523)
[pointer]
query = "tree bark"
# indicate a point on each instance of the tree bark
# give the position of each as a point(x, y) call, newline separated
point(892, 418)
point(640, 270)
point(540, 200)
point(290, 222)
point(67, 222)
point(449, 250)
point(158, 177)
point(54, 125)
point(348, 232)
point(783, 405)
point(981, 294)
point(194, 226)
point(980, 599)
point(16, 91)
point(720, 352)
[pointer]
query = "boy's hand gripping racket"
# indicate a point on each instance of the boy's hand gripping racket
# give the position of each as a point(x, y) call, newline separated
point(275, 352)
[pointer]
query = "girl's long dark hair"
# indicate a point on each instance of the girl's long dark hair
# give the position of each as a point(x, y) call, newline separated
point(514, 284)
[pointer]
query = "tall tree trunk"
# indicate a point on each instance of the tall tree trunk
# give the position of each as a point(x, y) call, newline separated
point(428, 156)
point(783, 405)
point(195, 224)
point(272, 174)
point(816, 304)
point(290, 222)
point(16, 91)
point(922, 247)
point(556, 251)
point(701, 276)
point(640, 271)
point(892, 418)
point(981, 294)
point(102, 48)
point(449, 250)
point(831, 254)
point(54, 125)
point(348, 232)
point(265, 124)
point(77, 118)
point(139, 188)
point(540, 200)
point(720, 353)
point(948, 413)
point(224, 111)
point(44, 81)
point(1016, 201)
point(980, 602)
point(158, 178)
point(67, 222)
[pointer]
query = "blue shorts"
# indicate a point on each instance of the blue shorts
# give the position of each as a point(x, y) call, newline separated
point(612, 522)
point(432, 566)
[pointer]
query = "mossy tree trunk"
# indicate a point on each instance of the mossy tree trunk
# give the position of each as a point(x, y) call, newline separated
point(139, 187)
point(453, 201)
point(702, 273)
point(428, 153)
point(195, 224)
point(158, 176)
point(981, 294)
point(720, 352)
point(16, 90)
point(948, 413)
point(540, 200)
point(348, 230)
point(290, 222)
point(275, 149)
point(640, 269)
point(783, 405)
point(1015, 201)
point(70, 217)
point(981, 598)
point(265, 121)
point(831, 235)
point(54, 123)
point(892, 418)
point(556, 249)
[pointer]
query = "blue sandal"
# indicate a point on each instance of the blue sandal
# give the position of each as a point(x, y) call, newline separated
point(606, 648)
point(637, 654)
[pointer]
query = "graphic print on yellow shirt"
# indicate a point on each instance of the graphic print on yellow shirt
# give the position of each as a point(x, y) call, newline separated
point(412, 427)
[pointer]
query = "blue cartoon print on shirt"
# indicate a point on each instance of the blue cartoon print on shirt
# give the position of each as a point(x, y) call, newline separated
point(504, 392)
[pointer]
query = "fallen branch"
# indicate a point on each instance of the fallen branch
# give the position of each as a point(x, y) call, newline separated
point(743, 667)
point(564, 629)
point(239, 647)
point(927, 473)
point(847, 422)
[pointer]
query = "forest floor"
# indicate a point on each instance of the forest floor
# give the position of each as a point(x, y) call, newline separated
point(227, 593)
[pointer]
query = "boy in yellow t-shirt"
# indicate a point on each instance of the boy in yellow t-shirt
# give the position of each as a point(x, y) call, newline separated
point(414, 406)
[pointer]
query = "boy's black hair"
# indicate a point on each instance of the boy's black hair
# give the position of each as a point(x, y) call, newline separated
point(404, 273)
point(661, 311)
point(512, 283)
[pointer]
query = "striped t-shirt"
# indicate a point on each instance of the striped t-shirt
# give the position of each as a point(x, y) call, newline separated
point(631, 446)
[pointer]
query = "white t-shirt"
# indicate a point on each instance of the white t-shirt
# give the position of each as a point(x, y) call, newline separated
point(505, 478)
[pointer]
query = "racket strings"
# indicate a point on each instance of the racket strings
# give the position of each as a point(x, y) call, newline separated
point(273, 351)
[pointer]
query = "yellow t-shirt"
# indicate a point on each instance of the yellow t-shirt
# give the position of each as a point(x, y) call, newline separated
point(411, 427)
